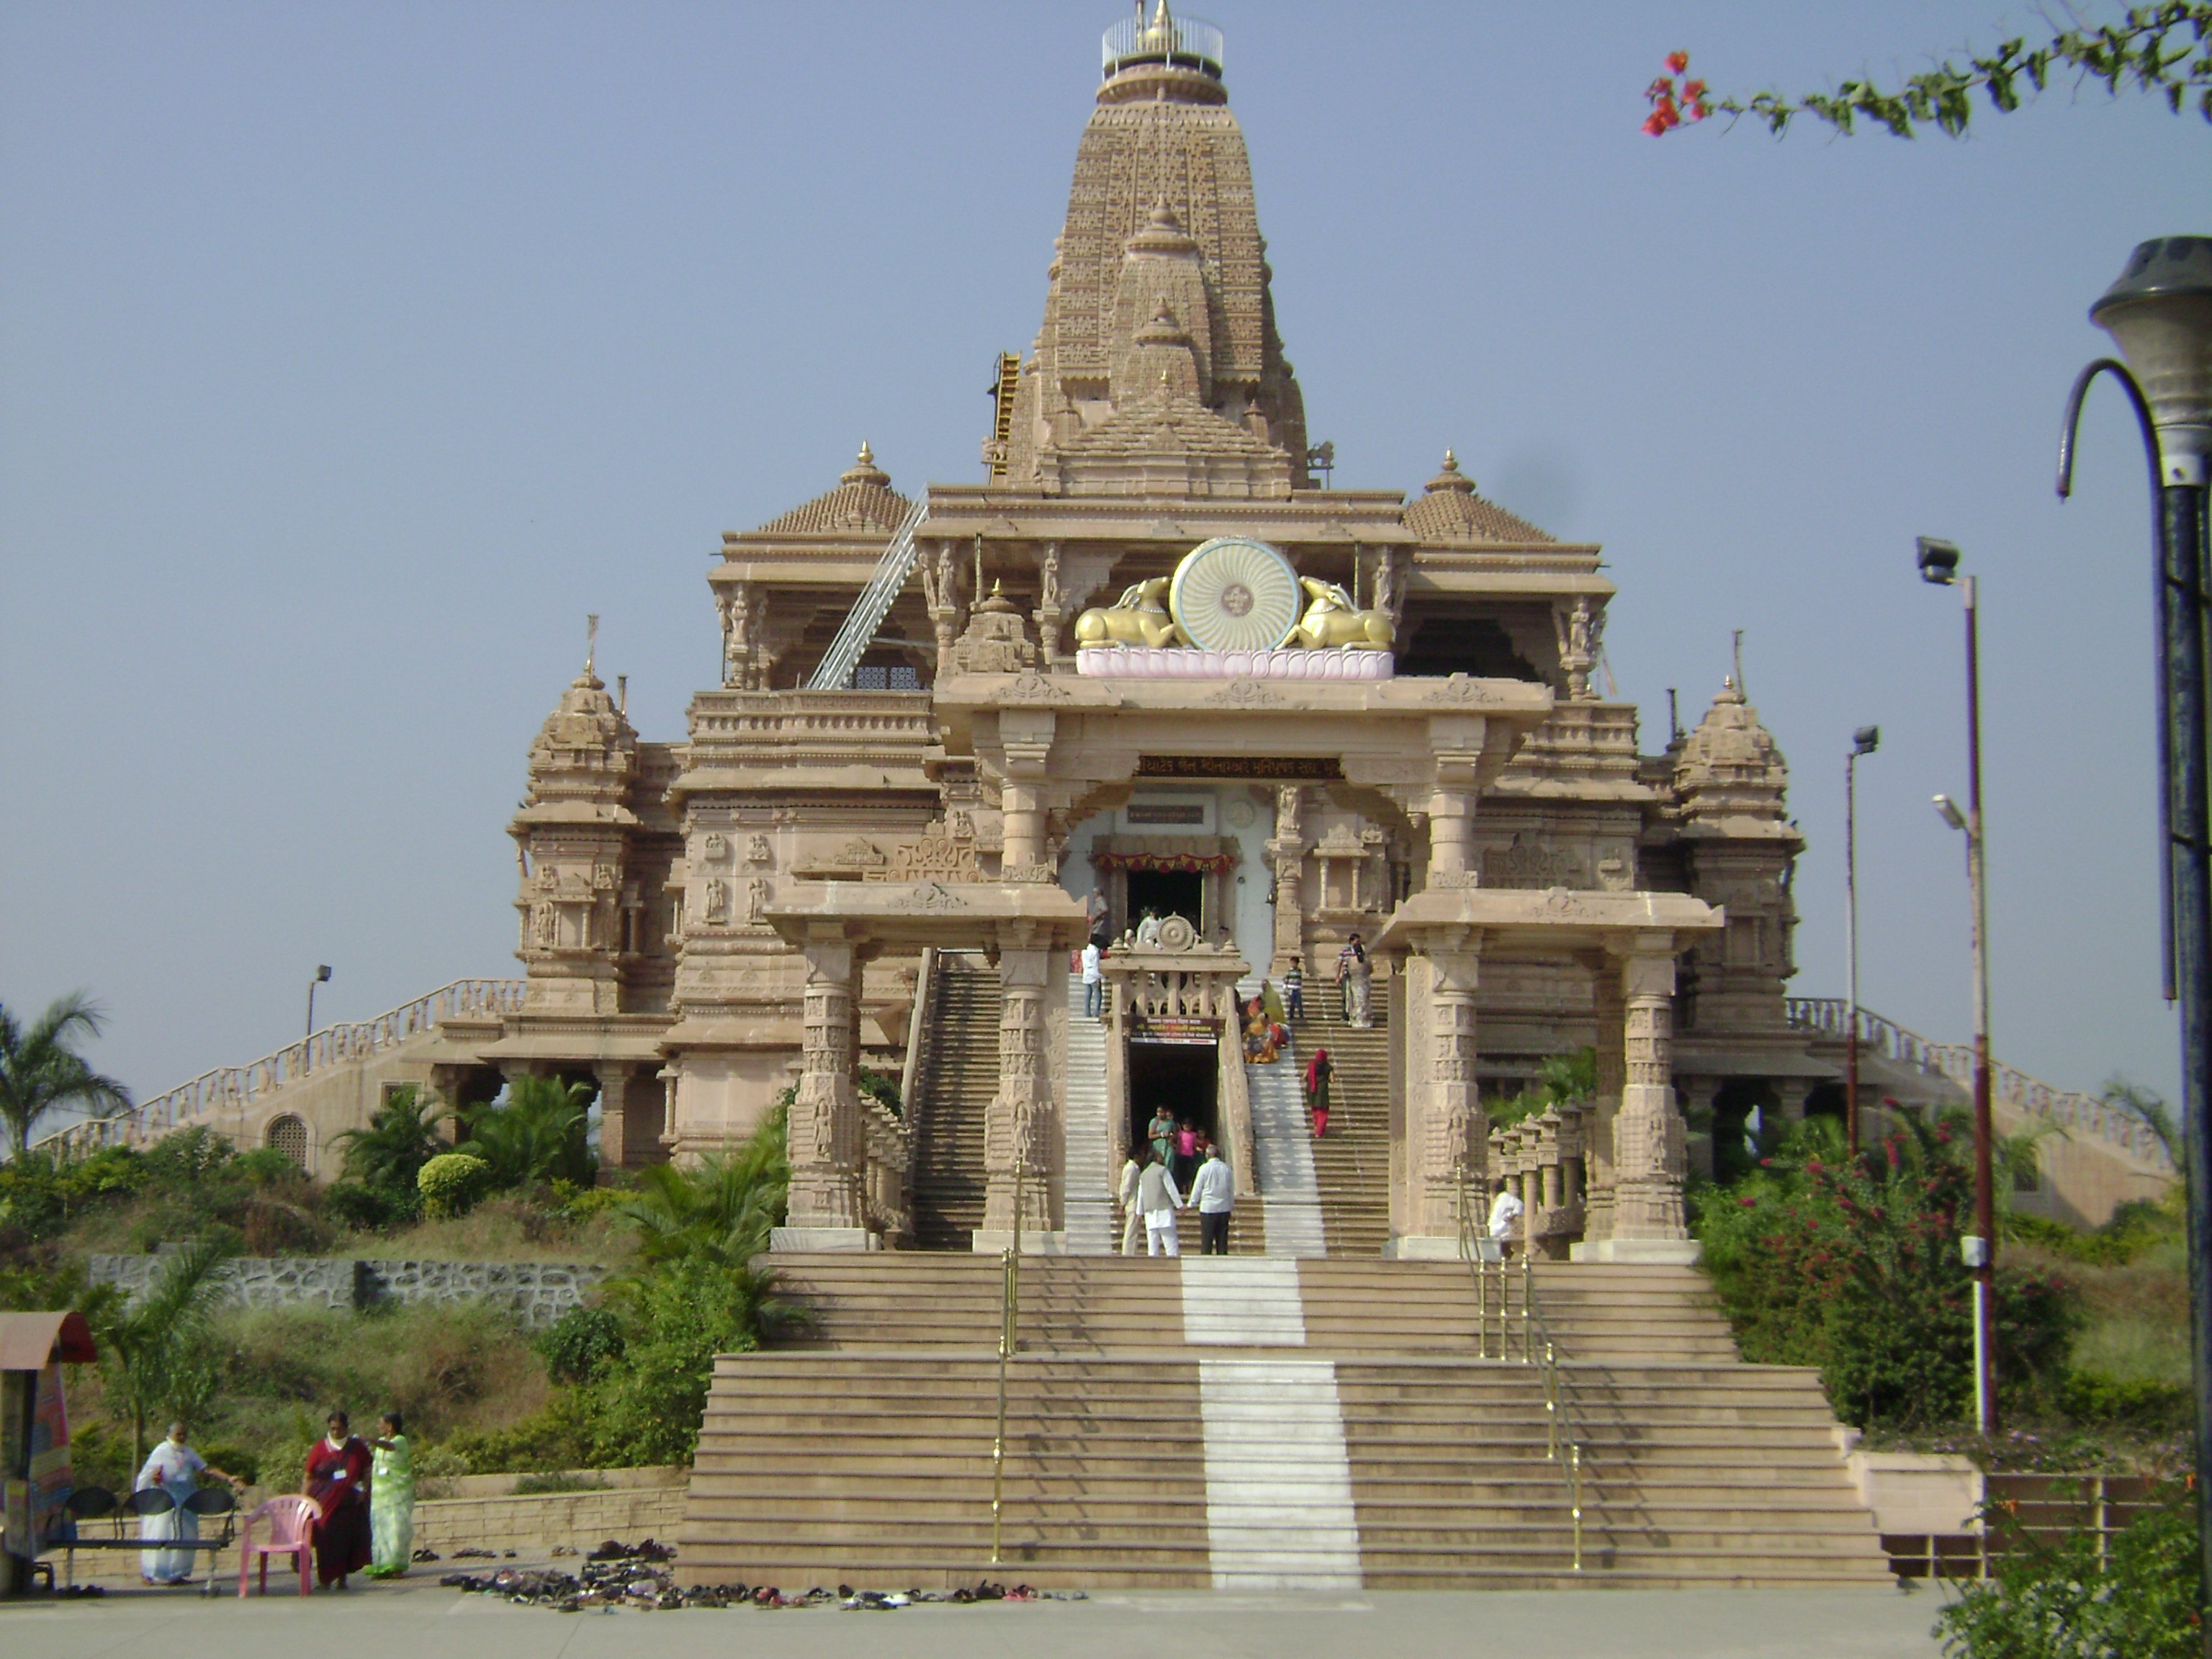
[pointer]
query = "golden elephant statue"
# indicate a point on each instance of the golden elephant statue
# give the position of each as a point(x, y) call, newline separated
point(1331, 621)
point(1140, 617)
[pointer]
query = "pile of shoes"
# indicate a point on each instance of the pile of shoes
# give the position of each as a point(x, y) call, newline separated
point(619, 1575)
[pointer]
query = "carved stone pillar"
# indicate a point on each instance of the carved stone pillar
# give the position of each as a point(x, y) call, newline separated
point(1021, 1125)
point(1612, 1074)
point(826, 1147)
point(1287, 852)
point(1445, 1125)
point(1649, 1154)
point(940, 588)
point(1451, 813)
point(1789, 1099)
point(619, 1095)
point(1025, 740)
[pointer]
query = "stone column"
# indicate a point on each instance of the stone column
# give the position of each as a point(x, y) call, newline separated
point(1445, 1128)
point(616, 1092)
point(1790, 1094)
point(1604, 1107)
point(1287, 852)
point(826, 1148)
point(1025, 741)
point(1451, 819)
point(1650, 1157)
point(940, 587)
point(1021, 1125)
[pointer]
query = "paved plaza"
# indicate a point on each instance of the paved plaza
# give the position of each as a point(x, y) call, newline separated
point(426, 1622)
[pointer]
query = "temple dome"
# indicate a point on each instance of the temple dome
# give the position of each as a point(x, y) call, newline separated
point(1449, 510)
point(1730, 766)
point(863, 502)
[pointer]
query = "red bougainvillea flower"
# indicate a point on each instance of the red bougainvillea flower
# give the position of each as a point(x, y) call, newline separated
point(1677, 62)
point(1812, 1165)
point(1655, 124)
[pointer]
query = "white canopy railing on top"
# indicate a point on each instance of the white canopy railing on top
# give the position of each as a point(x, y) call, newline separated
point(2074, 1112)
point(229, 1087)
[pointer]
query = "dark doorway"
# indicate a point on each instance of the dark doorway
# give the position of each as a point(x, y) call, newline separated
point(1167, 893)
point(1181, 1076)
point(1736, 1150)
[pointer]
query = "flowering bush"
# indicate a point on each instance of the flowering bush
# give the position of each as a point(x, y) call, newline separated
point(1855, 1269)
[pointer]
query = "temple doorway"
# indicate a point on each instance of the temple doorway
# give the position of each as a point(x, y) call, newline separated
point(1167, 893)
point(1181, 1076)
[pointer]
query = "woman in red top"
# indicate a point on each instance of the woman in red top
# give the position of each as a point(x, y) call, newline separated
point(338, 1478)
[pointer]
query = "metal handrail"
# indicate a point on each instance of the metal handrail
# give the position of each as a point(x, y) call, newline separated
point(1563, 1443)
point(1010, 1315)
point(2069, 1108)
point(858, 631)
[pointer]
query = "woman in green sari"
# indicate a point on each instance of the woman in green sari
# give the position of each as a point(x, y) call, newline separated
point(390, 1500)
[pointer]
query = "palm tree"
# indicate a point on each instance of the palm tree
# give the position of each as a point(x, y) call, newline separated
point(721, 1207)
point(40, 1069)
point(402, 1136)
point(2148, 1107)
point(158, 1344)
point(537, 1137)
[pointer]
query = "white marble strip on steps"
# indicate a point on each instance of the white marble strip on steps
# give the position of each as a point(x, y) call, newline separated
point(1243, 1301)
point(1279, 1512)
point(1087, 1167)
point(1282, 1148)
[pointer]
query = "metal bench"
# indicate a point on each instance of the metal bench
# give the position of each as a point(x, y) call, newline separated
point(91, 1504)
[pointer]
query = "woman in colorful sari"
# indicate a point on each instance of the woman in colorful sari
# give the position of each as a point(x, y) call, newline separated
point(338, 1478)
point(174, 1468)
point(390, 1500)
point(1318, 1073)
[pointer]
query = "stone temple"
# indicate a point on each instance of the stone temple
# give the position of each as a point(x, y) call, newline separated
point(1150, 658)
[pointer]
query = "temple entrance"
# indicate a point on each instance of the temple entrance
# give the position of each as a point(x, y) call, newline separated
point(1167, 893)
point(1180, 1076)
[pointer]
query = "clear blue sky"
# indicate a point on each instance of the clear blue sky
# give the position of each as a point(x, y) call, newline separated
point(350, 353)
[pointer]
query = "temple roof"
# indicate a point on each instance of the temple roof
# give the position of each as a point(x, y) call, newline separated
point(1449, 510)
point(863, 501)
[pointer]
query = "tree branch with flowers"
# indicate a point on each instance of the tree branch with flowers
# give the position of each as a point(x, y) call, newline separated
point(2164, 49)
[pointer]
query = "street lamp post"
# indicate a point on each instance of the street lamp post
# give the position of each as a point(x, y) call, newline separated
point(320, 976)
point(1864, 741)
point(1939, 563)
point(2159, 314)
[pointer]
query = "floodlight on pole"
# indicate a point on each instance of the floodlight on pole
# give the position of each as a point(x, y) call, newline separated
point(2159, 313)
point(320, 976)
point(1864, 741)
point(1939, 564)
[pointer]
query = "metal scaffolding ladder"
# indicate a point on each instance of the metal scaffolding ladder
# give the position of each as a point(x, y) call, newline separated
point(834, 673)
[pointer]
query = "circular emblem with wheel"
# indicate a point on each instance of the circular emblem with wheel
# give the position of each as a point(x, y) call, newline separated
point(1234, 594)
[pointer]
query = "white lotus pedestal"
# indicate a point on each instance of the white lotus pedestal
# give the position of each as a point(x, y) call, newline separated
point(1140, 662)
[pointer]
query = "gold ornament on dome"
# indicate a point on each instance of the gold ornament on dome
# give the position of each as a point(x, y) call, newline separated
point(1234, 594)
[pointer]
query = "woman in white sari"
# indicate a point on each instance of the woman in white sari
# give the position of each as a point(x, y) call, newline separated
point(175, 1468)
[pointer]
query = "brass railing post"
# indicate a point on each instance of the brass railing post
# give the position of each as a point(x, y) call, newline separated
point(1575, 1497)
point(1528, 1290)
point(1009, 1306)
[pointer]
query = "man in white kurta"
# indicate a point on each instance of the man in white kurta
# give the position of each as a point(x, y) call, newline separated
point(1157, 1200)
point(1133, 1219)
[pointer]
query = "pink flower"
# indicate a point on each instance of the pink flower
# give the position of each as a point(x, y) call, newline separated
point(1677, 62)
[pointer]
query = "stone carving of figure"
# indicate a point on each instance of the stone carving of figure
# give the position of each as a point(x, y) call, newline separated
point(542, 926)
point(718, 901)
point(757, 897)
point(1578, 630)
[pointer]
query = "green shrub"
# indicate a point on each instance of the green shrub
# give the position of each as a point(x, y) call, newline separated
point(554, 1439)
point(265, 1166)
point(363, 1208)
point(2059, 1601)
point(537, 1137)
point(647, 1406)
point(1855, 1269)
point(581, 1345)
point(882, 1088)
point(537, 1485)
point(453, 1182)
point(233, 1459)
point(186, 1157)
point(2149, 1406)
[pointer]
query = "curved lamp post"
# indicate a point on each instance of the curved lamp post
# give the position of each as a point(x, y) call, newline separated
point(2159, 313)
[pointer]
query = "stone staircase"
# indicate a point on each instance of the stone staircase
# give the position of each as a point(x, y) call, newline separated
point(1322, 1424)
point(1351, 1162)
point(957, 1076)
point(1087, 1194)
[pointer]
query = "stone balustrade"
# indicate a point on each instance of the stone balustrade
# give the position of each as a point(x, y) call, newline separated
point(1540, 1160)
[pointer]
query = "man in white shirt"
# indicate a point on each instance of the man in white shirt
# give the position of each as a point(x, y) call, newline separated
point(1211, 1192)
point(1158, 1200)
point(1133, 1219)
point(1094, 982)
point(1504, 1211)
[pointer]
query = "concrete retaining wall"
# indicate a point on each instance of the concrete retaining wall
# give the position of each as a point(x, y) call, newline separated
point(539, 1292)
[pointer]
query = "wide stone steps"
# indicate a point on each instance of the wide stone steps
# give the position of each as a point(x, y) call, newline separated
point(875, 1468)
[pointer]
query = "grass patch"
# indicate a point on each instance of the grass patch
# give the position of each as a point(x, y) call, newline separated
point(539, 1485)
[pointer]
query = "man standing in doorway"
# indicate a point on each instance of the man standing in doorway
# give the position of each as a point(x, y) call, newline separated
point(1211, 1192)
point(1094, 982)
point(1096, 912)
point(1133, 1219)
point(1158, 1200)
